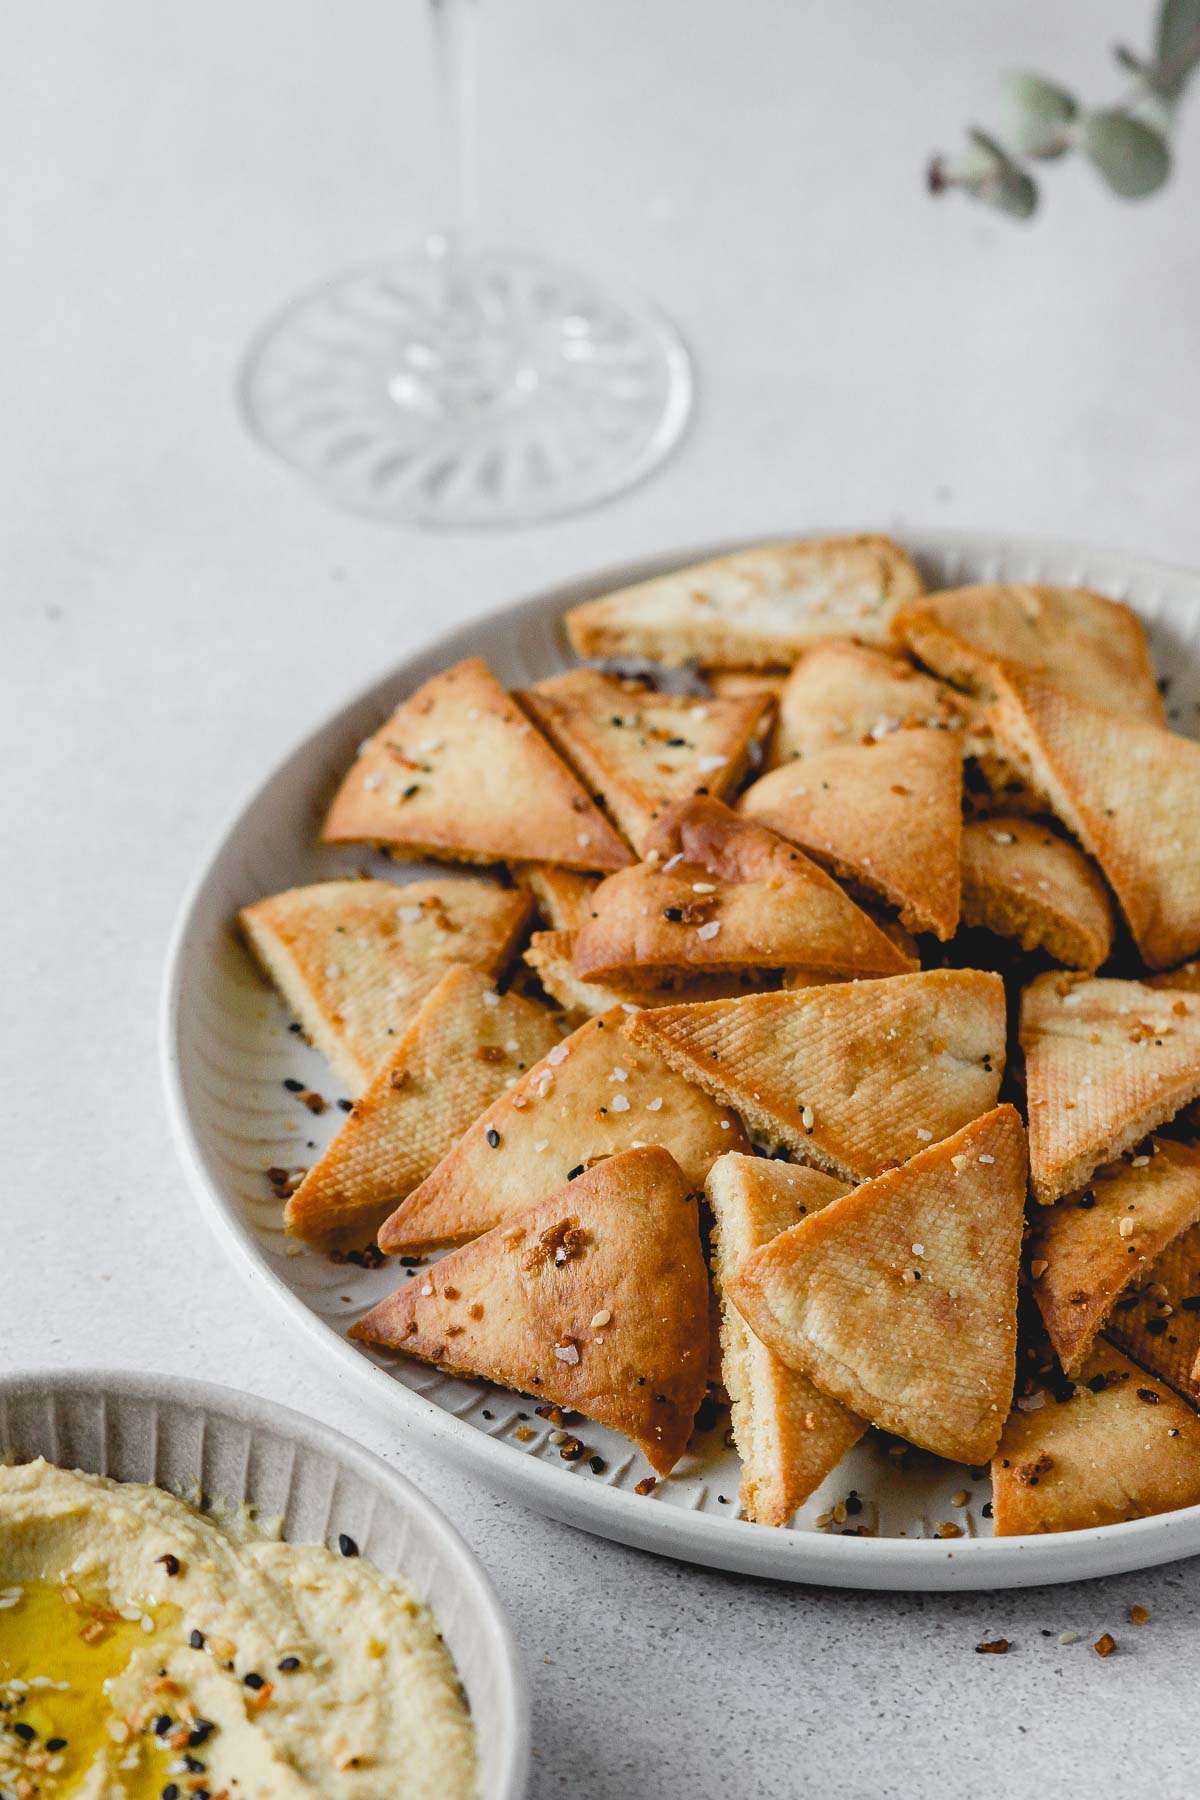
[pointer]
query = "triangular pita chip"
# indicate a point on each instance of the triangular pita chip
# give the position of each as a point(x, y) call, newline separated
point(639, 751)
point(900, 1299)
point(464, 1046)
point(721, 892)
point(789, 1434)
point(563, 896)
point(853, 1077)
point(1123, 1447)
point(594, 1095)
point(1091, 1248)
point(887, 816)
point(755, 609)
point(1081, 642)
point(460, 772)
point(840, 694)
point(1106, 1063)
point(1022, 880)
point(551, 954)
point(1159, 1324)
point(595, 1299)
point(1128, 791)
point(354, 959)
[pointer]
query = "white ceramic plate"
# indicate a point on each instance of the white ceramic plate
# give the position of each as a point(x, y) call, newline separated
point(238, 1448)
point(227, 1051)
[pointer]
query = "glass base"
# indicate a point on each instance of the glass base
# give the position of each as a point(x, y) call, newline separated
point(495, 390)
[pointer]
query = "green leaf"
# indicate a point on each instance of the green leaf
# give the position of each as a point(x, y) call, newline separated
point(1177, 46)
point(1132, 157)
point(1036, 114)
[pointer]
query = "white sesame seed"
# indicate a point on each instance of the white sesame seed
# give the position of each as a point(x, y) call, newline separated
point(1068, 1637)
point(987, 1159)
point(1002, 837)
point(808, 1118)
point(709, 931)
point(408, 915)
point(332, 971)
point(672, 862)
point(704, 887)
point(706, 764)
point(1138, 1162)
point(373, 781)
point(601, 1319)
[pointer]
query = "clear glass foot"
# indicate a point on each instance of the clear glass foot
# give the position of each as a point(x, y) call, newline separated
point(493, 390)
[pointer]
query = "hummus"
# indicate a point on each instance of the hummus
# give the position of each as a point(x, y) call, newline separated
point(148, 1650)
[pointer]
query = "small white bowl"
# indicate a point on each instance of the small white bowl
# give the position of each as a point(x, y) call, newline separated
point(237, 1448)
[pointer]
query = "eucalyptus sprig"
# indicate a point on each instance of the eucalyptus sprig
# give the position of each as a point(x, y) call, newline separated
point(1128, 144)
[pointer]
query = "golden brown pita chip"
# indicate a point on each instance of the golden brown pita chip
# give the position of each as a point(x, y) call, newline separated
point(755, 609)
point(563, 897)
point(887, 816)
point(1124, 1447)
point(1128, 791)
point(1021, 880)
point(354, 959)
point(840, 694)
point(595, 1299)
point(854, 1077)
point(551, 956)
point(1106, 1063)
point(721, 892)
point(789, 1434)
point(737, 682)
point(463, 1048)
point(1091, 1248)
point(900, 1299)
point(1081, 642)
point(460, 772)
point(1185, 979)
point(1159, 1324)
point(639, 751)
point(594, 1095)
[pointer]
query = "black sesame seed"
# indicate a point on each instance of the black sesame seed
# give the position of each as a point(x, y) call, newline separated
point(201, 1731)
point(987, 1509)
point(673, 914)
point(293, 1086)
point(1190, 1303)
point(162, 1724)
point(1156, 1327)
point(171, 1791)
point(1149, 1396)
point(346, 1105)
point(596, 1465)
point(576, 1171)
point(54, 1745)
point(253, 1682)
point(289, 1665)
point(487, 1414)
point(170, 1563)
point(26, 1733)
point(347, 1545)
point(493, 1137)
point(197, 1640)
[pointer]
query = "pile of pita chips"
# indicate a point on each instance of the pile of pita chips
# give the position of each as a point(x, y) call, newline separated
point(639, 752)
point(900, 1298)
point(789, 1434)
point(719, 892)
point(460, 772)
point(740, 947)
point(593, 1095)
point(1106, 1063)
point(595, 1298)
point(755, 609)
point(853, 1078)
point(354, 959)
point(886, 816)
point(463, 1048)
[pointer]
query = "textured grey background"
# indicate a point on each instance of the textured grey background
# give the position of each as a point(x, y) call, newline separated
point(176, 609)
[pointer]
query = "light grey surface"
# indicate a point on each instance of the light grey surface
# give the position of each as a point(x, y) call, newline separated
point(175, 609)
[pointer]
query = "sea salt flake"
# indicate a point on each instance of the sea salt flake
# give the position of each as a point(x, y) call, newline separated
point(618, 1103)
point(558, 1054)
point(924, 1133)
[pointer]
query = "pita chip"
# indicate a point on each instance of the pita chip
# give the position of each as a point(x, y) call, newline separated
point(594, 1095)
point(551, 955)
point(1185, 979)
point(1130, 792)
point(639, 751)
point(1091, 1248)
point(464, 1045)
point(460, 772)
point(1022, 880)
point(755, 609)
point(900, 1299)
point(1158, 1324)
point(595, 1299)
point(1078, 641)
point(354, 959)
point(738, 682)
point(1106, 1063)
point(789, 1434)
point(886, 816)
point(718, 891)
point(854, 1077)
point(563, 897)
point(1123, 1447)
point(840, 694)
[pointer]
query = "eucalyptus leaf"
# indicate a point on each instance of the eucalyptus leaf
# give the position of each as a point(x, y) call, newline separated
point(1178, 44)
point(1131, 156)
point(1037, 114)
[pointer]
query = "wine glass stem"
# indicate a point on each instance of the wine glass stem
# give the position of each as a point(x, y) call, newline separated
point(456, 50)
